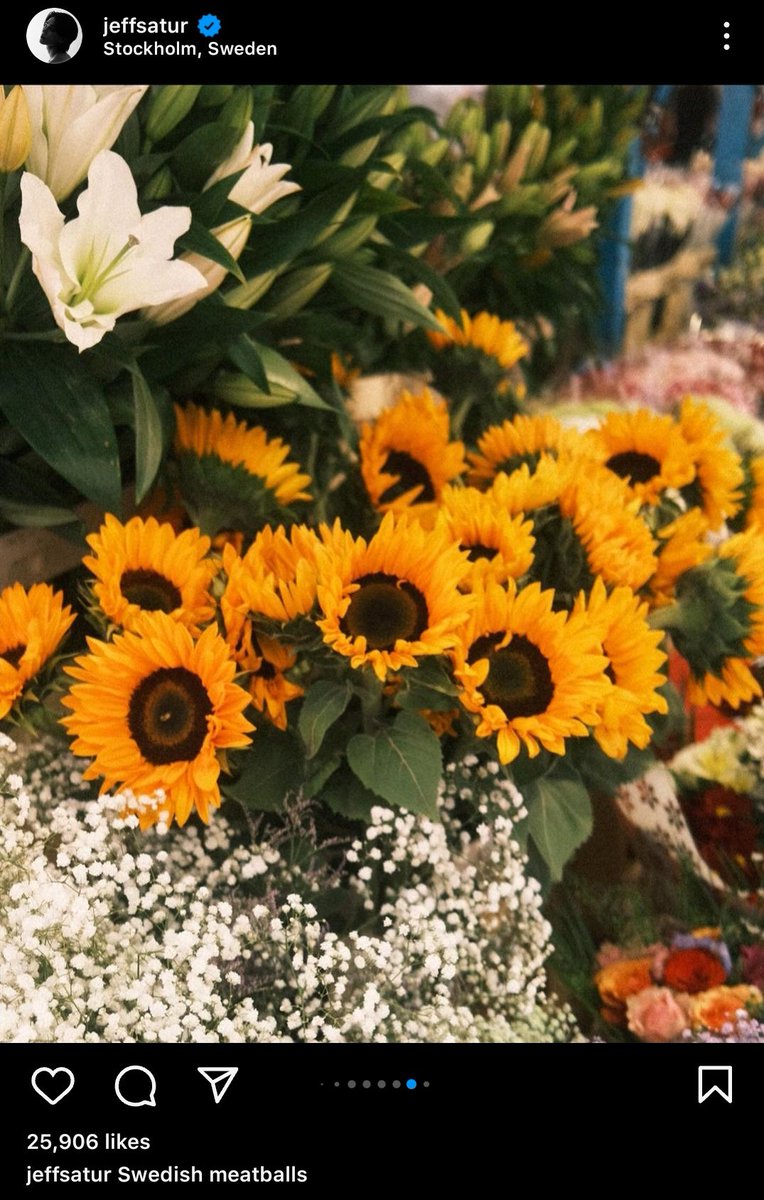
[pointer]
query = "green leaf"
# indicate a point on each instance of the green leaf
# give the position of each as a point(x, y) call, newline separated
point(443, 294)
point(199, 240)
point(272, 768)
point(27, 499)
point(275, 242)
point(149, 436)
point(212, 207)
point(324, 703)
point(401, 763)
point(51, 399)
point(283, 379)
point(559, 816)
point(345, 794)
point(379, 292)
point(244, 354)
point(201, 152)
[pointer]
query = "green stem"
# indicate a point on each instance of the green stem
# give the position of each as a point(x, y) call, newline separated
point(460, 416)
point(371, 697)
point(51, 335)
point(3, 195)
point(671, 616)
point(13, 286)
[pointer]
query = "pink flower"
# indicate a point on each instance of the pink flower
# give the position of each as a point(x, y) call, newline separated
point(656, 1015)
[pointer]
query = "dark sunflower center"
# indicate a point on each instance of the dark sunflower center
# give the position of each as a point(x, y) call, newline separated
point(150, 591)
point(519, 680)
point(636, 467)
point(168, 714)
point(266, 670)
point(530, 459)
point(479, 551)
point(384, 609)
point(411, 474)
point(14, 654)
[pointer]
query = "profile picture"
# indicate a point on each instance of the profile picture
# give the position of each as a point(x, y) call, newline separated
point(54, 35)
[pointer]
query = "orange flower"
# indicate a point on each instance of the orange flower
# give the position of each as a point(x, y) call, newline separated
point(720, 1005)
point(619, 980)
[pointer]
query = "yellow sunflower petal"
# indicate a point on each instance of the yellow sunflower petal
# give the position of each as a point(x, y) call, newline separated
point(634, 672)
point(497, 339)
point(496, 544)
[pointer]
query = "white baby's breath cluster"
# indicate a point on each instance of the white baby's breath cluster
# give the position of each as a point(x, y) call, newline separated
point(224, 934)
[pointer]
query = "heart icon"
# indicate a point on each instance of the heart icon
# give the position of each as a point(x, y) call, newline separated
point(50, 1088)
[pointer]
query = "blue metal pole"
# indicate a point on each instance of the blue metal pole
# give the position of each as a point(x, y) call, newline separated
point(615, 260)
point(733, 132)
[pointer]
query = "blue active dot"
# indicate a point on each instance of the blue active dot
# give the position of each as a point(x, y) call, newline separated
point(411, 1084)
point(209, 25)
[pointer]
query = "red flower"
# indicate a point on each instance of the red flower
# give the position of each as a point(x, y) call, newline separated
point(692, 970)
point(723, 825)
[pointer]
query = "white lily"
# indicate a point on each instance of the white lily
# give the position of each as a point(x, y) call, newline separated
point(261, 185)
point(109, 260)
point(70, 125)
point(262, 182)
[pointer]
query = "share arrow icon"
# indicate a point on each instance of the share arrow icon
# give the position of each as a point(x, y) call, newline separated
point(219, 1079)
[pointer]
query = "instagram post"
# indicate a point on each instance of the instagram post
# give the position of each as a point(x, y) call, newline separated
point(381, 597)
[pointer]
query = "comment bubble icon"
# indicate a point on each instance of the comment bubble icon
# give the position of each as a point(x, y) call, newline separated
point(136, 1087)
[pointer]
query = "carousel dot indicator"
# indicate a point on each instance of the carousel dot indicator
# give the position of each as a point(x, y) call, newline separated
point(351, 1083)
point(367, 1083)
point(411, 1084)
point(381, 1083)
point(396, 1083)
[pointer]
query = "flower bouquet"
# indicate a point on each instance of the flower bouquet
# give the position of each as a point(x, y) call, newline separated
point(400, 653)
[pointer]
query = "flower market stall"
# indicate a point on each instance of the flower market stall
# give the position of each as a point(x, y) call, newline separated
point(352, 688)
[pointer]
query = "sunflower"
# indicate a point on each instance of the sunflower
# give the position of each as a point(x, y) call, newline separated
point(724, 626)
point(717, 488)
point(523, 440)
point(343, 372)
point(265, 660)
point(388, 602)
point(32, 623)
point(649, 452)
point(497, 339)
point(147, 567)
point(253, 588)
point(533, 676)
point(231, 473)
point(152, 709)
point(526, 490)
point(406, 456)
point(682, 545)
point(276, 578)
point(496, 544)
point(754, 511)
point(634, 667)
point(617, 542)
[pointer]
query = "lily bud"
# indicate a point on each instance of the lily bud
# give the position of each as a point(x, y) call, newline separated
point(169, 104)
point(15, 129)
